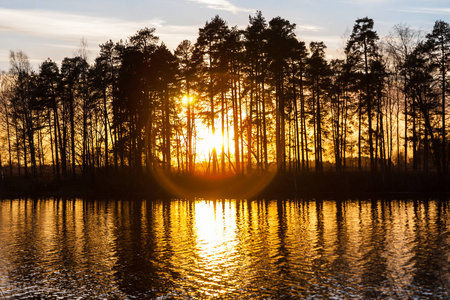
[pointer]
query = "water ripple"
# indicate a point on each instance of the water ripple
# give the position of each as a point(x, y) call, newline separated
point(179, 249)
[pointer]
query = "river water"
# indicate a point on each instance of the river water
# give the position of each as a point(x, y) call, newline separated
point(189, 249)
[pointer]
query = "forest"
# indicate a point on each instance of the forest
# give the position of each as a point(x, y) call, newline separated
point(235, 101)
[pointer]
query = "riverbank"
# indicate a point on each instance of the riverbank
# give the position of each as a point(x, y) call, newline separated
point(242, 186)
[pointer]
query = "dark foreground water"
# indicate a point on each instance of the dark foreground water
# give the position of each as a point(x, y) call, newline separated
point(138, 249)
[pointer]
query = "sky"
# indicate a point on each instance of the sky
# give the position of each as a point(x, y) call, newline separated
point(54, 28)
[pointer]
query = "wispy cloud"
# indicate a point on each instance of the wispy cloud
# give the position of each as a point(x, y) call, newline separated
point(426, 10)
point(67, 26)
point(222, 5)
point(309, 27)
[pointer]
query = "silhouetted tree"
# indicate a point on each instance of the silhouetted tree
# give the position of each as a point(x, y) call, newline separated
point(281, 42)
point(361, 50)
point(317, 73)
point(255, 67)
point(234, 52)
point(186, 73)
point(438, 48)
point(6, 87)
point(209, 48)
point(104, 81)
point(163, 68)
point(49, 80)
point(24, 103)
point(402, 43)
point(73, 72)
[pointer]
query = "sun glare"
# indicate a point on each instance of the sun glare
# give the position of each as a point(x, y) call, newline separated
point(207, 142)
point(204, 141)
point(187, 100)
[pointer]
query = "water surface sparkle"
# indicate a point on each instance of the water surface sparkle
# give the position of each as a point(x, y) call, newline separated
point(133, 249)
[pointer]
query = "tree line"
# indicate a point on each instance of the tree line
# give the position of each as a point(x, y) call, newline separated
point(381, 107)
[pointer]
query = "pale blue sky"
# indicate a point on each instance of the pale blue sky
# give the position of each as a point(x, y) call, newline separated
point(54, 28)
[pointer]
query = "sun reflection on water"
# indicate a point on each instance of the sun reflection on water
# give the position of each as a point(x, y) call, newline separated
point(216, 244)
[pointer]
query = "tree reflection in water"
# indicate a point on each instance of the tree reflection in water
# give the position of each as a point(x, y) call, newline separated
point(224, 248)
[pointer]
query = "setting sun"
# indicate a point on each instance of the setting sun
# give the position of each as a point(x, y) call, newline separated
point(203, 140)
point(187, 100)
point(207, 141)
